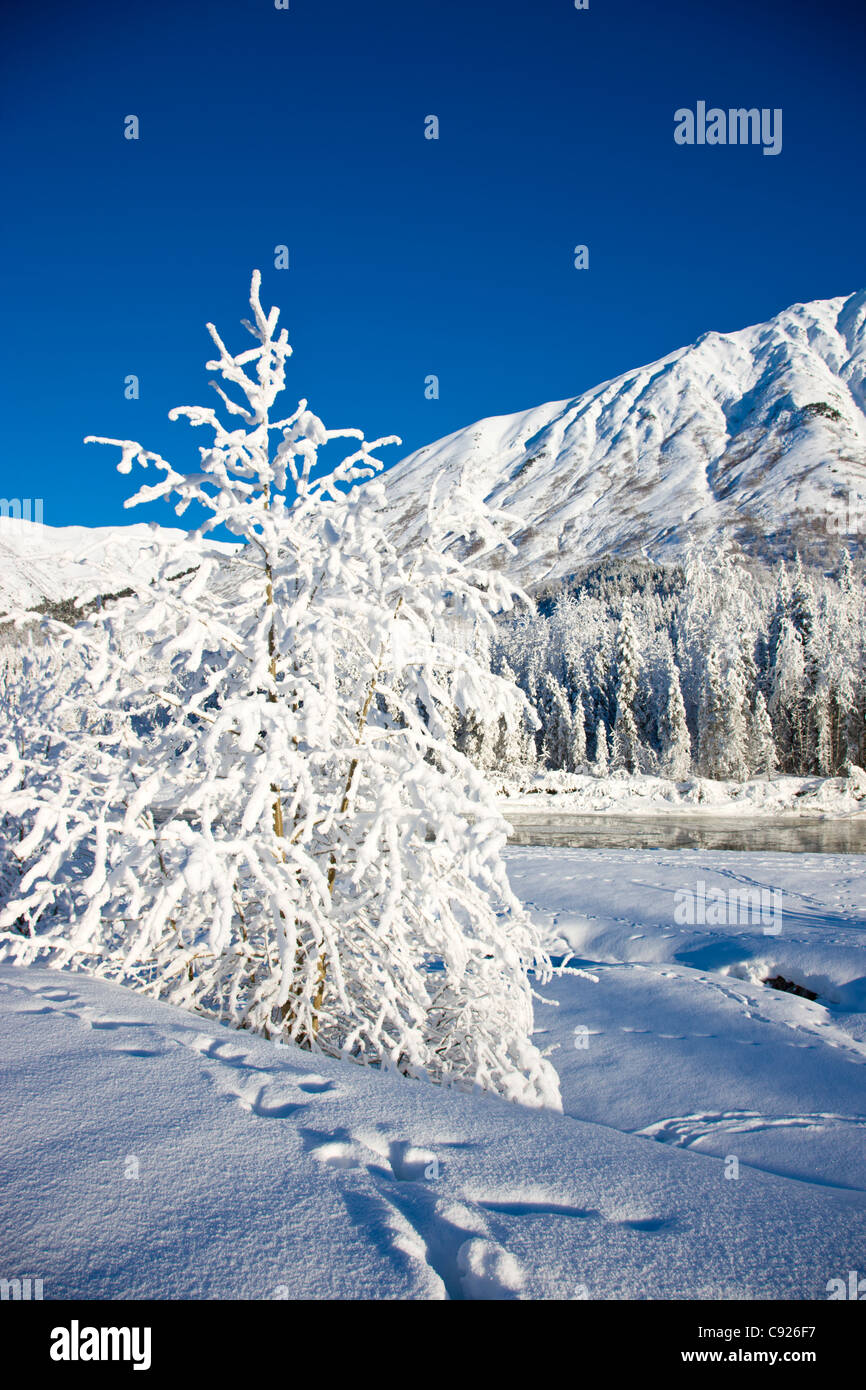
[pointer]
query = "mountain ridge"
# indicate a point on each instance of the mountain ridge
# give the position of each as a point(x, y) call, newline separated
point(757, 436)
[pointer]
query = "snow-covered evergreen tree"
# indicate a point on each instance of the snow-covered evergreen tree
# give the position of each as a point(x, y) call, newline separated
point(626, 740)
point(780, 615)
point(735, 764)
point(713, 719)
point(676, 745)
point(761, 748)
point(786, 702)
point(601, 760)
point(558, 727)
point(803, 619)
point(513, 745)
point(577, 748)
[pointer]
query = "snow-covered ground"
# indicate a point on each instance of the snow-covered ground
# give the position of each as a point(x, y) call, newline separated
point(685, 1041)
point(623, 793)
point(149, 1152)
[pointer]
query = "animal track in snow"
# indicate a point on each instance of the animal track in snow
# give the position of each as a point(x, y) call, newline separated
point(334, 1153)
point(541, 1209)
point(260, 1092)
point(650, 1224)
point(396, 1160)
point(140, 1051)
point(487, 1271)
point(451, 1236)
point(684, 1130)
point(110, 1024)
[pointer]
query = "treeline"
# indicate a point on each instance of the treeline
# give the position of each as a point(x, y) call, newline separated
point(719, 668)
point(723, 668)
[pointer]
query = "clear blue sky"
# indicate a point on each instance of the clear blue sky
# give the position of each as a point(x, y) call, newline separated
point(408, 257)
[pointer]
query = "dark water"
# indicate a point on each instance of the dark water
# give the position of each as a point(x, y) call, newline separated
point(683, 832)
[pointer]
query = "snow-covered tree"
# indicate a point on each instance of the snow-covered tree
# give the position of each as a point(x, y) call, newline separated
point(601, 697)
point(786, 702)
point(577, 747)
point(713, 719)
point(558, 728)
point(626, 740)
point(723, 727)
point(674, 738)
point(268, 819)
point(761, 748)
point(601, 761)
point(513, 748)
point(735, 762)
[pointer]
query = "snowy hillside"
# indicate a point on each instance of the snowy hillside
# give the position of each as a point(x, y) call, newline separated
point(760, 433)
point(40, 562)
point(199, 1162)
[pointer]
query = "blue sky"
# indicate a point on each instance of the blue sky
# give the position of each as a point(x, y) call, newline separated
point(409, 257)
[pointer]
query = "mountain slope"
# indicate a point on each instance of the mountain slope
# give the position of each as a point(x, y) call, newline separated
point(53, 563)
point(759, 434)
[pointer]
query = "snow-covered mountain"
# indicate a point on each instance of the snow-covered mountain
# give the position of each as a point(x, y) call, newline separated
point(758, 434)
point(53, 563)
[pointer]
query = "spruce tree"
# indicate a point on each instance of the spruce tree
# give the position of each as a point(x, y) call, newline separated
point(674, 738)
point(625, 730)
point(558, 728)
point(761, 748)
point(601, 760)
point(577, 752)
